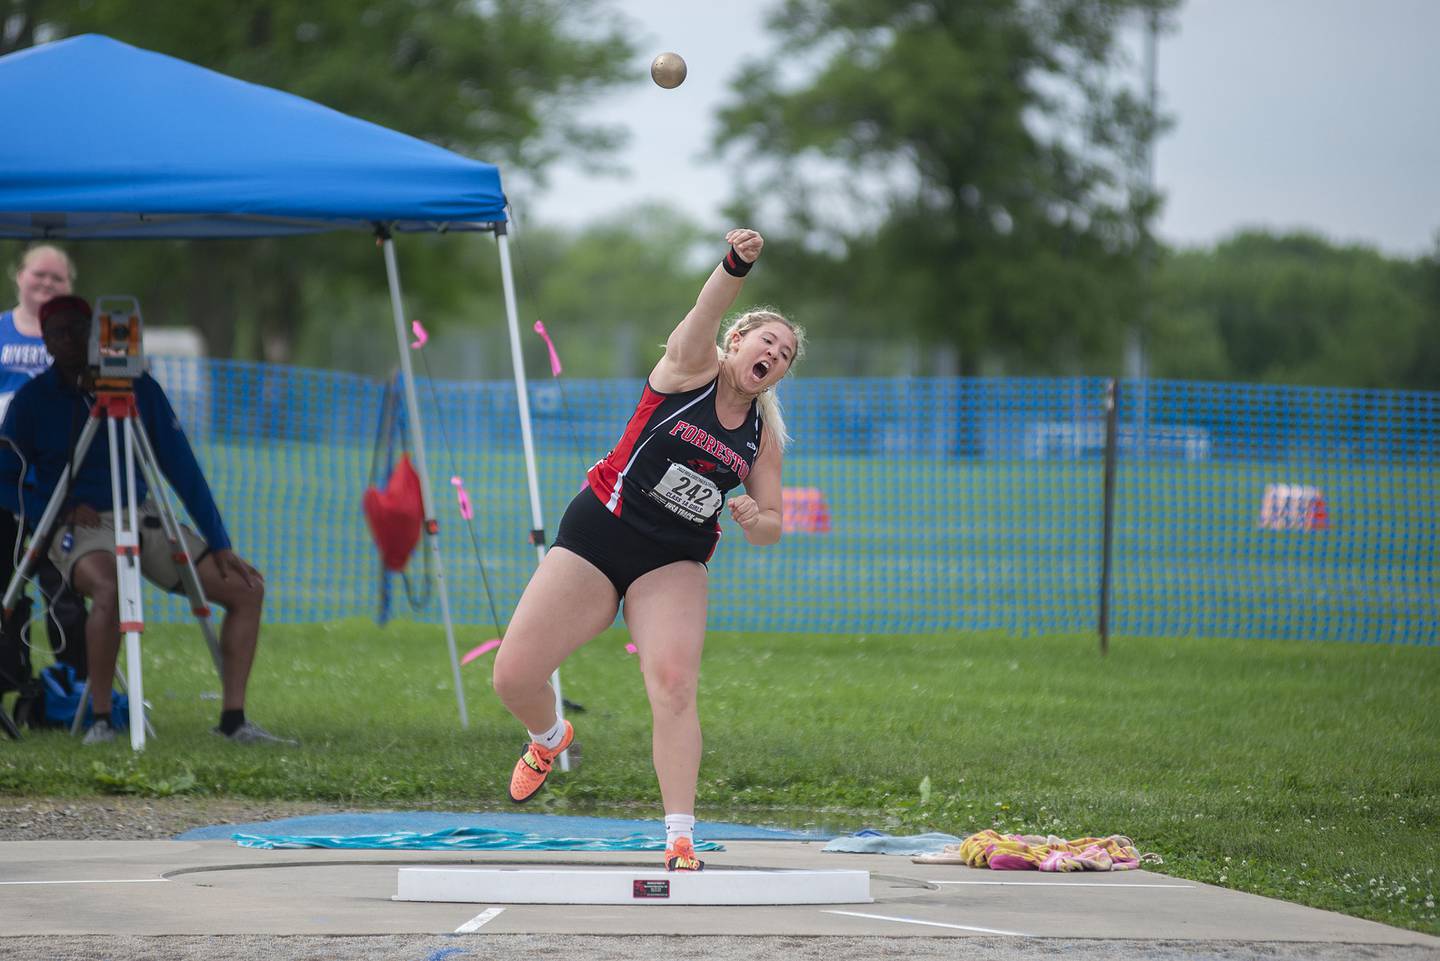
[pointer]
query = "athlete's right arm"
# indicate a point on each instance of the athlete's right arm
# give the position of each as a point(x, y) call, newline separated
point(690, 359)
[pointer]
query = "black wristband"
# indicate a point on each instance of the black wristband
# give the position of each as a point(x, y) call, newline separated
point(735, 265)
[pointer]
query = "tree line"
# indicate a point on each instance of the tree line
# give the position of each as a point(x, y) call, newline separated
point(946, 186)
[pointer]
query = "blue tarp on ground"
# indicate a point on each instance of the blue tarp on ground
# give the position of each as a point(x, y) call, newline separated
point(461, 839)
point(879, 842)
point(125, 142)
point(555, 826)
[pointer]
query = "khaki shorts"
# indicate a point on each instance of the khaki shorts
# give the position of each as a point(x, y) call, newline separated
point(157, 562)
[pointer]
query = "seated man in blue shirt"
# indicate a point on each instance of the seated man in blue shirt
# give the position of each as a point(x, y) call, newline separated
point(44, 421)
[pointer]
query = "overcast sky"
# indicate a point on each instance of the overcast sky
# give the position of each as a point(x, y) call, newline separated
point(1316, 114)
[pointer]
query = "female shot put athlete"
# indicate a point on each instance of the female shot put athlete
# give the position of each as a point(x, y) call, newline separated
point(645, 524)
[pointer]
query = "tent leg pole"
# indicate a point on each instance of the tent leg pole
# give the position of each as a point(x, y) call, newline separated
point(522, 398)
point(432, 529)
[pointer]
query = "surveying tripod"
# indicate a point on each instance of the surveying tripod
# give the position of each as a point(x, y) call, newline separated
point(115, 356)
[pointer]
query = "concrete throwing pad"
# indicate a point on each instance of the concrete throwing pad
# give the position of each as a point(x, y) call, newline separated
point(112, 890)
point(606, 886)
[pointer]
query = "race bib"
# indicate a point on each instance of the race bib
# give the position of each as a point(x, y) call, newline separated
point(687, 494)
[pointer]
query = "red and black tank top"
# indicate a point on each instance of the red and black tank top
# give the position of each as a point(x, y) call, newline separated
point(670, 472)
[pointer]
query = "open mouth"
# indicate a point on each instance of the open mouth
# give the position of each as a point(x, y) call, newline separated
point(760, 369)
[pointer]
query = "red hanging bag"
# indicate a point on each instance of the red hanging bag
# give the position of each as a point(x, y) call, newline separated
point(396, 515)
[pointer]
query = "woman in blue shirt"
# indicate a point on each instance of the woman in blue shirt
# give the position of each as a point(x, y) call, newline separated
point(44, 272)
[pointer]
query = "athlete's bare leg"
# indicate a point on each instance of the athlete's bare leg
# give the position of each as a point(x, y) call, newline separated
point(567, 602)
point(665, 611)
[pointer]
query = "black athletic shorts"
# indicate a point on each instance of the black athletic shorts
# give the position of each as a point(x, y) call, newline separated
point(622, 553)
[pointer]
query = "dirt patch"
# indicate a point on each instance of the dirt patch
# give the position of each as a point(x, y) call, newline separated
point(133, 819)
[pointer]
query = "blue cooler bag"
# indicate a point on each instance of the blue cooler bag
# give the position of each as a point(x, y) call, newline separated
point(62, 699)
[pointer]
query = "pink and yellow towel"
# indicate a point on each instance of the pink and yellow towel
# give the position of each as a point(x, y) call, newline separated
point(1037, 852)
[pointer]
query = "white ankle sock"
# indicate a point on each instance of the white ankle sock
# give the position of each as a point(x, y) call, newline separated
point(550, 739)
point(679, 826)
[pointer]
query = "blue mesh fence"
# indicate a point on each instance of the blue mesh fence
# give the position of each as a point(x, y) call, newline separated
point(1278, 512)
point(912, 504)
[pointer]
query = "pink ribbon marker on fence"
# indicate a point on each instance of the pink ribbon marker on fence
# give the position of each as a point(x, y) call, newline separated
point(482, 649)
point(554, 357)
point(420, 335)
point(463, 498)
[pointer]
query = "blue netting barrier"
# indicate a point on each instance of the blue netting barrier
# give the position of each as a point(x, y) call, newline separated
point(914, 505)
point(1262, 511)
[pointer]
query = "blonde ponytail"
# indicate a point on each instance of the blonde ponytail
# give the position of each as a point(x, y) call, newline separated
point(773, 417)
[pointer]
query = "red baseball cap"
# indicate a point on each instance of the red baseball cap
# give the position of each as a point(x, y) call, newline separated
point(64, 303)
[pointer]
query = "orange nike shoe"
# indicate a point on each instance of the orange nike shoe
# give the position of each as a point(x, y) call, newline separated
point(534, 766)
point(681, 857)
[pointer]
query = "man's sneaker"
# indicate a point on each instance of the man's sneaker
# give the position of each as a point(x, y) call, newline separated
point(681, 857)
point(252, 733)
point(100, 733)
point(534, 765)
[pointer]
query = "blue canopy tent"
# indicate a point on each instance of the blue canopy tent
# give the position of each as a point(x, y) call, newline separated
point(120, 142)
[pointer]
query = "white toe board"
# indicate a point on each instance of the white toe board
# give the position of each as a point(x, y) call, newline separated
point(631, 886)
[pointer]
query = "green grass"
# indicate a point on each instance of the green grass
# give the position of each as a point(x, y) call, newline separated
point(1303, 771)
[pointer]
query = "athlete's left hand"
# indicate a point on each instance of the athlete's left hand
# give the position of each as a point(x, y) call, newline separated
point(745, 511)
